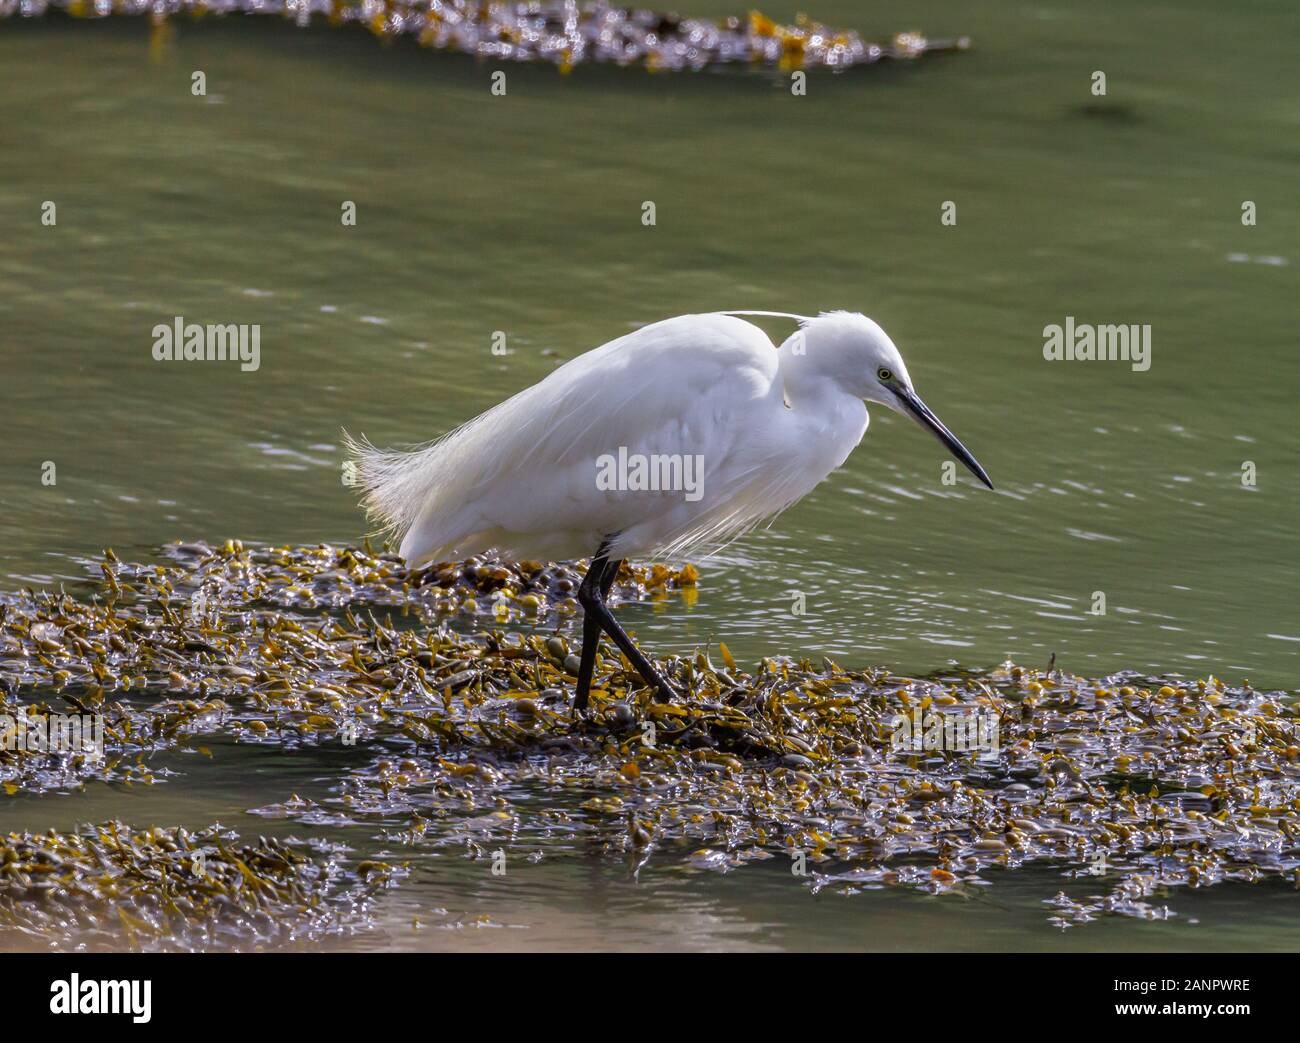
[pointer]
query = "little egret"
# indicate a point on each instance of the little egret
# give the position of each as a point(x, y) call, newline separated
point(673, 439)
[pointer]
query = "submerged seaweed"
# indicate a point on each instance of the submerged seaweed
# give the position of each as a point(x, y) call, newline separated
point(1137, 784)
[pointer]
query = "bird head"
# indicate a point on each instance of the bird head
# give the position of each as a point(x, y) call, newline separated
point(857, 354)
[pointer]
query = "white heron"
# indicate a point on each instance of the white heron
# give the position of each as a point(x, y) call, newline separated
point(668, 441)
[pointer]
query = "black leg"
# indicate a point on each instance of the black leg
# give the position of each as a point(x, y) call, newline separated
point(663, 692)
point(607, 580)
point(591, 595)
point(593, 581)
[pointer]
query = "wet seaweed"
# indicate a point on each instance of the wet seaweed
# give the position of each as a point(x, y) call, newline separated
point(562, 33)
point(172, 889)
point(859, 778)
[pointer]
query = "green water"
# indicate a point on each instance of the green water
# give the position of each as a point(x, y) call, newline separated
point(523, 214)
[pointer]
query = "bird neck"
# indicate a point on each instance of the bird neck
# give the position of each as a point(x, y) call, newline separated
point(823, 420)
point(804, 384)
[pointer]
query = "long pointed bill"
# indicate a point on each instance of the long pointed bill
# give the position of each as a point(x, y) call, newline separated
point(926, 418)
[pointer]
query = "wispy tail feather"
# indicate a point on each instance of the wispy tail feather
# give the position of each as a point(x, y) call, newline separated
point(395, 483)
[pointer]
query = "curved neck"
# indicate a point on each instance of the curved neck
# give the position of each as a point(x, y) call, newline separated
point(824, 421)
point(804, 384)
point(820, 405)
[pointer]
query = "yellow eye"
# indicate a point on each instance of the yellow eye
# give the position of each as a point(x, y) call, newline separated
point(884, 375)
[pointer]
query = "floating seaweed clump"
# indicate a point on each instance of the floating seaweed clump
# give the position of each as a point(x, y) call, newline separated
point(337, 577)
point(861, 778)
point(1141, 787)
point(173, 889)
point(45, 748)
point(563, 33)
point(167, 654)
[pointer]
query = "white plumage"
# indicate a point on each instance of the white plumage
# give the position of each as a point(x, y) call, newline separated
point(767, 424)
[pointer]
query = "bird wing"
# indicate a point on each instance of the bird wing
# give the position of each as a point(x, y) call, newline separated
point(684, 386)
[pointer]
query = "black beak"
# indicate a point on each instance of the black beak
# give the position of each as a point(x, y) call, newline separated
point(923, 415)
